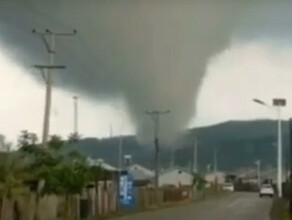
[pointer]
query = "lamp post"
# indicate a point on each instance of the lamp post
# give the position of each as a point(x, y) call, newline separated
point(277, 104)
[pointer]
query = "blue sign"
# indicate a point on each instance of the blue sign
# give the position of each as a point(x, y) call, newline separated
point(127, 197)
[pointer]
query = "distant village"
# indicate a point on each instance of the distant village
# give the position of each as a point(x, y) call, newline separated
point(177, 176)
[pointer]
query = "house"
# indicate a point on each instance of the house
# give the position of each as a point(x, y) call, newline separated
point(101, 163)
point(176, 177)
point(212, 177)
point(141, 175)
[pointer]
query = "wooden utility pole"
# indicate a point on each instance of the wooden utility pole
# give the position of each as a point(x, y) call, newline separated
point(195, 157)
point(290, 176)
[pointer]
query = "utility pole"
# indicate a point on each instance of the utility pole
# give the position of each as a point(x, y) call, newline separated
point(215, 161)
point(120, 169)
point(195, 157)
point(120, 154)
point(155, 117)
point(215, 171)
point(75, 119)
point(290, 160)
point(172, 163)
point(49, 39)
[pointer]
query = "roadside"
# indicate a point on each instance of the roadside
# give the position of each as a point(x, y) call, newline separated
point(208, 195)
point(279, 210)
point(238, 205)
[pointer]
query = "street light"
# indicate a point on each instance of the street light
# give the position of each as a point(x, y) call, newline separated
point(277, 104)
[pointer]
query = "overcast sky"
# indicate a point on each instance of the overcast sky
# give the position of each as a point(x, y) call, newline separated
point(244, 71)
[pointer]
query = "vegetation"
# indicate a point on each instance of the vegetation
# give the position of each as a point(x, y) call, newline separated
point(238, 143)
point(43, 171)
point(12, 177)
point(279, 209)
point(198, 181)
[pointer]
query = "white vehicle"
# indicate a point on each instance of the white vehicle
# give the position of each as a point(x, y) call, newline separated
point(228, 187)
point(266, 190)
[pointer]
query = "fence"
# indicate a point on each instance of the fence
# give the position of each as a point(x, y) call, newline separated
point(91, 203)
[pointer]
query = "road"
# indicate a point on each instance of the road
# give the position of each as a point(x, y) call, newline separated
point(236, 206)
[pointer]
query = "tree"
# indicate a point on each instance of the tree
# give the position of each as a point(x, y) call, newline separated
point(56, 143)
point(67, 179)
point(27, 139)
point(54, 171)
point(198, 181)
point(13, 174)
point(73, 138)
point(41, 162)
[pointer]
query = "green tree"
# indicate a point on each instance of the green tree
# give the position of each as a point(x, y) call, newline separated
point(56, 143)
point(67, 179)
point(73, 138)
point(41, 162)
point(198, 181)
point(13, 175)
point(27, 139)
point(56, 172)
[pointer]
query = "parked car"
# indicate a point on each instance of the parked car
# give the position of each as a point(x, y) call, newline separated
point(266, 190)
point(228, 187)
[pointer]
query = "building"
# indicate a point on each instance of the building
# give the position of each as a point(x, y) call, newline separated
point(211, 177)
point(101, 163)
point(176, 177)
point(141, 175)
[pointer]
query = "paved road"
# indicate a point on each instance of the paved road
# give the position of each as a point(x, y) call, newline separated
point(236, 206)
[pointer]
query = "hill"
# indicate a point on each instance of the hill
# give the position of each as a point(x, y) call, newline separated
point(238, 143)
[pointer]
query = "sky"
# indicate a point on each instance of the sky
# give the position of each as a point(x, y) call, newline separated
point(168, 66)
point(243, 71)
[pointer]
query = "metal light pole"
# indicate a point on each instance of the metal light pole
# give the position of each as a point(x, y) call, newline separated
point(155, 117)
point(75, 119)
point(258, 164)
point(277, 104)
point(50, 46)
